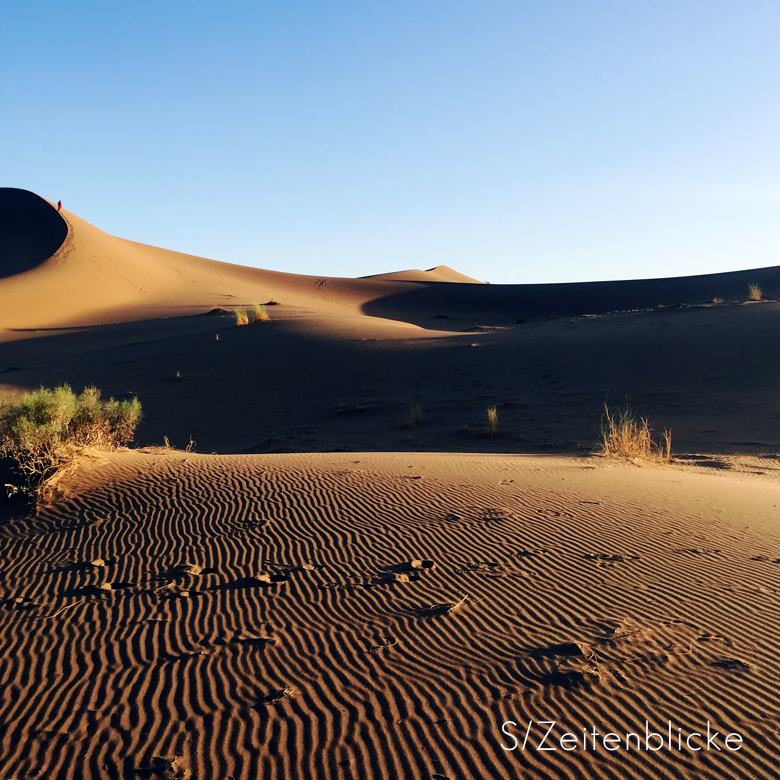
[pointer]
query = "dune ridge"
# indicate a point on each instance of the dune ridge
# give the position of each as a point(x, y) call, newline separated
point(95, 278)
point(441, 273)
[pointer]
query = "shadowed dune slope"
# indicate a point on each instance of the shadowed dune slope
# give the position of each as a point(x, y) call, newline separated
point(504, 304)
point(306, 382)
point(594, 595)
point(31, 231)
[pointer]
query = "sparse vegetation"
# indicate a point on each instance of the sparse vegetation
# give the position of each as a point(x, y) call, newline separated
point(415, 415)
point(492, 421)
point(755, 293)
point(241, 317)
point(260, 314)
point(717, 300)
point(43, 432)
point(623, 436)
point(168, 446)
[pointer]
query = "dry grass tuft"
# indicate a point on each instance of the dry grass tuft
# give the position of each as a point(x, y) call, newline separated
point(260, 314)
point(755, 293)
point(623, 436)
point(415, 415)
point(167, 446)
point(491, 428)
point(241, 317)
point(717, 300)
point(46, 431)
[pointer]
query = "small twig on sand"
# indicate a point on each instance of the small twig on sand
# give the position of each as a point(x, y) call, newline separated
point(61, 610)
point(453, 607)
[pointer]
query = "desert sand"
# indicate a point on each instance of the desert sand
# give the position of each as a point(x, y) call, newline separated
point(319, 590)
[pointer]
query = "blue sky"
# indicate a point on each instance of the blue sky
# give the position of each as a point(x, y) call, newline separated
point(547, 140)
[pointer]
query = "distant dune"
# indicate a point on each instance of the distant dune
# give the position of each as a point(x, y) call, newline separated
point(441, 273)
point(51, 277)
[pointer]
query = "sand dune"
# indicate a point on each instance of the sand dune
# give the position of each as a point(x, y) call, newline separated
point(95, 278)
point(364, 599)
point(596, 595)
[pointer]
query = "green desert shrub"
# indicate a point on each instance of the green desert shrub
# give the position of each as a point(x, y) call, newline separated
point(44, 431)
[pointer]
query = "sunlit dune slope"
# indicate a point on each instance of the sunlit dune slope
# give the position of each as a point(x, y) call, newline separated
point(59, 271)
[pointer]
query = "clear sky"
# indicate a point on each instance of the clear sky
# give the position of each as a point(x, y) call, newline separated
point(513, 140)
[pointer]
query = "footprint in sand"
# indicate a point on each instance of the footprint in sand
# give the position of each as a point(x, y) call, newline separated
point(422, 564)
point(20, 602)
point(101, 588)
point(409, 571)
point(166, 767)
point(193, 569)
point(529, 553)
point(566, 665)
point(695, 551)
point(732, 664)
point(607, 559)
point(488, 567)
point(386, 643)
point(173, 590)
point(257, 580)
point(552, 513)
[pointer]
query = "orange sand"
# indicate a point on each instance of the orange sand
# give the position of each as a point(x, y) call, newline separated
point(263, 617)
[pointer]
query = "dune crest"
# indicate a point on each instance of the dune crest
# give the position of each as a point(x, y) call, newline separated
point(93, 278)
point(441, 273)
point(57, 270)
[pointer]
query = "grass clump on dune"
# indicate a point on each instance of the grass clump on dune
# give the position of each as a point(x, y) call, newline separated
point(260, 314)
point(43, 432)
point(755, 293)
point(623, 436)
point(491, 427)
point(241, 317)
point(415, 415)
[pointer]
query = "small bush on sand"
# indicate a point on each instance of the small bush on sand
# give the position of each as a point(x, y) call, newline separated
point(241, 317)
point(44, 432)
point(261, 315)
point(717, 300)
point(623, 436)
point(415, 415)
point(491, 428)
point(755, 293)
